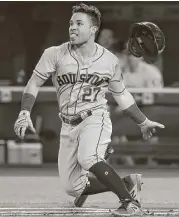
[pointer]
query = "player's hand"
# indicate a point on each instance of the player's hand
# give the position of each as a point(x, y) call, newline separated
point(23, 123)
point(148, 128)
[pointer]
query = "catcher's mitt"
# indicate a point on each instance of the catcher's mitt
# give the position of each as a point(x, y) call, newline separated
point(146, 39)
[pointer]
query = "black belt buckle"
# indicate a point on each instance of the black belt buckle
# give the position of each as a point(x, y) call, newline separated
point(77, 120)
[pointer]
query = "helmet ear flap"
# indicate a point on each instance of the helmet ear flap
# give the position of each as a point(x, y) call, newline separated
point(133, 47)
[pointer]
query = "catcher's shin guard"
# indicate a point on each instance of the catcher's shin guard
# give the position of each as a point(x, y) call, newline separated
point(79, 201)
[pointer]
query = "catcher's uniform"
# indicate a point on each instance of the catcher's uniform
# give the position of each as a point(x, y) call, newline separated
point(86, 125)
point(144, 75)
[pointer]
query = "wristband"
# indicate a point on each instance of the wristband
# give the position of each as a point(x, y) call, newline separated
point(135, 114)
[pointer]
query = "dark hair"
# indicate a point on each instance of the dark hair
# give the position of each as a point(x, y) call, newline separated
point(90, 10)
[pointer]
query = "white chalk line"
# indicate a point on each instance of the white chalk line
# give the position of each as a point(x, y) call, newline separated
point(80, 211)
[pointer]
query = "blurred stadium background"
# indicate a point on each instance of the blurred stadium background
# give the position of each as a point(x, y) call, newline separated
point(27, 28)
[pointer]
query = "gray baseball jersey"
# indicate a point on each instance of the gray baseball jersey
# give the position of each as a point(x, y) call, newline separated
point(81, 86)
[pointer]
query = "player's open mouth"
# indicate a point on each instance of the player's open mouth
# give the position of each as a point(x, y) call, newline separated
point(73, 35)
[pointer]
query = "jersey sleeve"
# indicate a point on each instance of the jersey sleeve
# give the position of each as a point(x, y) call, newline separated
point(116, 85)
point(47, 64)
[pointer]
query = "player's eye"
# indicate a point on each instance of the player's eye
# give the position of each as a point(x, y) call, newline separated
point(71, 23)
point(79, 24)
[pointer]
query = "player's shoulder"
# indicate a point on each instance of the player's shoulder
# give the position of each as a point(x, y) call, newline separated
point(108, 54)
point(62, 48)
point(151, 70)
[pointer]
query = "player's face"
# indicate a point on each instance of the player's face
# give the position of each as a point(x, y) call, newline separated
point(81, 29)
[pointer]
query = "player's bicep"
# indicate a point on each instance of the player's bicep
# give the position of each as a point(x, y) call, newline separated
point(116, 84)
point(36, 80)
point(47, 64)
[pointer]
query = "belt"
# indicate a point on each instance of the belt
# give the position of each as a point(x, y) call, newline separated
point(77, 119)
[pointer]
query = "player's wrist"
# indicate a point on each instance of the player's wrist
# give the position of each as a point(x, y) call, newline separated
point(28, 101)
point(144, 123)
point(135, 114)
point(24, 112)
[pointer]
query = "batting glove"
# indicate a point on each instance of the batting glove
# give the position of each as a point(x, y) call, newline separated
point(23, 123)
point(148, 128)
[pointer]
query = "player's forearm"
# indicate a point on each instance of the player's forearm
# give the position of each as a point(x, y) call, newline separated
point(30, 93)
point(28, 99)
point(127, 103)
point(31, 88)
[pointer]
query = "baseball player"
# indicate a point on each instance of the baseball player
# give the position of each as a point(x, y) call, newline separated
point(138, 73)
point(82, 72)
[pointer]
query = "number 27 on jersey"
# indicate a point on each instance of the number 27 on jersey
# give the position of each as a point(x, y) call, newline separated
point(90, 94)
